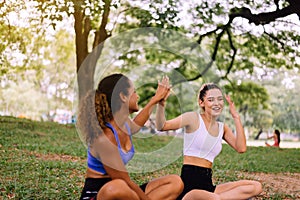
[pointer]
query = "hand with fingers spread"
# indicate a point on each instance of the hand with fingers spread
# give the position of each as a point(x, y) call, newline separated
point(163, 89)
point(232, 109)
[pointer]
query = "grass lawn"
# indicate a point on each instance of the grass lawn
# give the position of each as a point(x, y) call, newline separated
point(43, 160)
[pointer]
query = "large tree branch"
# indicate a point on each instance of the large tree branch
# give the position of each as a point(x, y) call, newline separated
point(213, 58)
point(267, 17)
point(216, 47)
point(257, 19)
point(101, 34)
point(233, 55)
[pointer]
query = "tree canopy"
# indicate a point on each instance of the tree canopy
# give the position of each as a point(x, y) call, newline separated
point(238, 36)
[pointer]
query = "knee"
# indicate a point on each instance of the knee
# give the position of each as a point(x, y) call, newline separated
point(176, 183)
point(198, 194)
point(257, 187)
point(215, 196)
point(115, 188)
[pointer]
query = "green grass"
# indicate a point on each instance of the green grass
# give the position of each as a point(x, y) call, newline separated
point(43, 160)
point(260, 159)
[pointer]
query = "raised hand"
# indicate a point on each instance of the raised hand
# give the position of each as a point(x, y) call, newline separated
point(232, 109)
point(163, 89)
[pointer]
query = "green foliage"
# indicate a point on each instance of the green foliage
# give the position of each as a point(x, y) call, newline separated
point(280, 105)
point(264, 51)
point(161, 14)
point(248, 95)
point(46, 85)
point(272, 45)
point(252, 101)
point(285, 103)
point(22, 39)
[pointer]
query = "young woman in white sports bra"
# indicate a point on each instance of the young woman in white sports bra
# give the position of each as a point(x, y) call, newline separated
point(202, 143)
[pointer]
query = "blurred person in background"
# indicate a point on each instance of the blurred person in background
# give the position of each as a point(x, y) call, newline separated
point(276, 137)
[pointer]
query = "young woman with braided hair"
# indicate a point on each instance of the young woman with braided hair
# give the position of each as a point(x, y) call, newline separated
point(203, 142)
point(107, 128)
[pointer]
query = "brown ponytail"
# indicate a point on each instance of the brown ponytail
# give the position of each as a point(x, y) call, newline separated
point(98, 106)
point(87, 119)
point(102, 108)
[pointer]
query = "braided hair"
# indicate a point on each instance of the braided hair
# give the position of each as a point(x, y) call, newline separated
point(98, 106)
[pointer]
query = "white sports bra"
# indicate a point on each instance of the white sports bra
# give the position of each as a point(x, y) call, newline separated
point(201, 144)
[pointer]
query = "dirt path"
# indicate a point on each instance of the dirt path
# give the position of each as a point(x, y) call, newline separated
point(283, 183)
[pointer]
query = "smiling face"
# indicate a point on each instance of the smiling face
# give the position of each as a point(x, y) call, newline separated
point(212, 102)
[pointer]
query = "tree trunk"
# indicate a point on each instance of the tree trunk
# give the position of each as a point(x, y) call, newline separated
point(86, 61)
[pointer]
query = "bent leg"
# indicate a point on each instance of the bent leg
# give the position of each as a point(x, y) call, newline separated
point(201, 195)
point(164, 188)
point(243, 189)
point(116, 189)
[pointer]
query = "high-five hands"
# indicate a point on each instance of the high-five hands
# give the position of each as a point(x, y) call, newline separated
point(163, 90)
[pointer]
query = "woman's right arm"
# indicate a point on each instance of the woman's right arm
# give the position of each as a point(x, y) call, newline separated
point(164, 125)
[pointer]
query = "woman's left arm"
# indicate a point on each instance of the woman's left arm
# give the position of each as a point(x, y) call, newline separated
point(238, 141)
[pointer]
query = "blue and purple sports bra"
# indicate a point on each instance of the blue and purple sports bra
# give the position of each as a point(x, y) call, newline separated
point(97, 165)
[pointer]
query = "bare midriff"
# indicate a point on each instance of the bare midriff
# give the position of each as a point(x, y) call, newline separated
point(201, 162)
point(90, 173)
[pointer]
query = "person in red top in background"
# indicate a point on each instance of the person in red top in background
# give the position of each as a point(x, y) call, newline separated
point(276, 137)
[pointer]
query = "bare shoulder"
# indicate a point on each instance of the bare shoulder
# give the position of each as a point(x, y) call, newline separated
point(106, 136)
point(192, 115)
point(188, 117)
point(192, 121)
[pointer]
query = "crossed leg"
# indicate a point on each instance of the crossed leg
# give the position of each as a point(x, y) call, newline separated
point(164, 188)
point(242, 189)
point(237, 190)
point(116, 189)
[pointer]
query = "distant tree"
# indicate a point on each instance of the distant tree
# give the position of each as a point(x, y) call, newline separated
point(234, 42)
point(22, 39)
point(37, 92)
point(285, 102)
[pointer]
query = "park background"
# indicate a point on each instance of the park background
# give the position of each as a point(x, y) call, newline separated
point(249, 48)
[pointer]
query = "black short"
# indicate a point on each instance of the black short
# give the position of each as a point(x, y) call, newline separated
point(93, 185)
point(195, 177)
